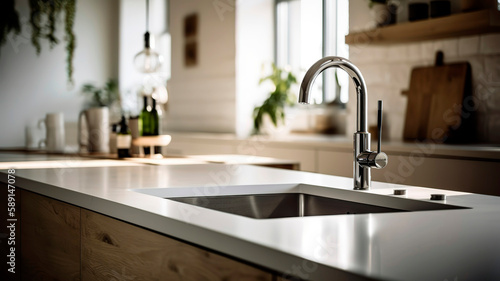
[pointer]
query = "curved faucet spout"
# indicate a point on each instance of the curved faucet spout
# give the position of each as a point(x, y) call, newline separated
point(354, 73)
point(364, 158)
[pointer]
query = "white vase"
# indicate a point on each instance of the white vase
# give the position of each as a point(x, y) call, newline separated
point(96, 136)
point(268, 127)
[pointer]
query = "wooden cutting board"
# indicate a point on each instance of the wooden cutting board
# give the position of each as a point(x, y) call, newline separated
point(435, 100)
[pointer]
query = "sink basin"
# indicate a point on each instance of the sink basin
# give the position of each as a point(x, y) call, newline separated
point(267, 206)
point(292, 200)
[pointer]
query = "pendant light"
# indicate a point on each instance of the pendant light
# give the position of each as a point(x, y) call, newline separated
point(147, 61)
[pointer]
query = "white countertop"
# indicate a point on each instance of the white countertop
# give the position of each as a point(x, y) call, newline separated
point(427, 245)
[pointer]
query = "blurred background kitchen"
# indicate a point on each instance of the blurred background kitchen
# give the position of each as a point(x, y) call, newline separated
point(216, 52)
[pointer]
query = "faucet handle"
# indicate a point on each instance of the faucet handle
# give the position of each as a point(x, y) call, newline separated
point(378, 159)
point(379, 124)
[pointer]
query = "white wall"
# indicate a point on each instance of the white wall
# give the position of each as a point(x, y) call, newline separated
point(202, 97)
point(387, 72)
point(132, 29)
point(31, 86)
point(254, 49)
point(235, 40)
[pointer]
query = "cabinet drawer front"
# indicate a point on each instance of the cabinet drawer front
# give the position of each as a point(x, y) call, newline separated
point(50, 239)
point(114, 249)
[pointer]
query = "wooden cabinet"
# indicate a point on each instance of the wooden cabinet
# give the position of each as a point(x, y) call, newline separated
point(50, 239)
point(336, 163)
point(452, 174)
point(64, 242)
point(467, 175)
point(114, 249)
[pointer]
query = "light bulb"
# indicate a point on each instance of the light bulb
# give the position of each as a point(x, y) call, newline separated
point(147, 61)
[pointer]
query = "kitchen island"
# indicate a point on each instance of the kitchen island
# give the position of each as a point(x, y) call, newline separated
point(460, 244)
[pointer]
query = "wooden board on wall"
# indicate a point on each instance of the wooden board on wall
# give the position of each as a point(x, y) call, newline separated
point(450, 90)
point(435, 101)
point(114, 249)
point(50, 239)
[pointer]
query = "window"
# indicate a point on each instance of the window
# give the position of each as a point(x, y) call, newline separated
point(307, 30)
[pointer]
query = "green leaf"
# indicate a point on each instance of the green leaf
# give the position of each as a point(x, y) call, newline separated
point(104, 96)
point(277, 99)
point(44, 15)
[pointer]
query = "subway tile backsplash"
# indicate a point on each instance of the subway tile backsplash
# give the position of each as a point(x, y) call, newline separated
point(489, 44)
point(387, 71)
point(468, 46)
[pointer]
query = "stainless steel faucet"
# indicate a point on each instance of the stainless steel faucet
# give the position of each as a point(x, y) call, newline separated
point(364, 159)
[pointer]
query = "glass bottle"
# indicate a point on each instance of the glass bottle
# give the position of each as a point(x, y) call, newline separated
point(145, 121)
point(155, 123)
point(155, 120)
point(123, 139)
point(149, 122)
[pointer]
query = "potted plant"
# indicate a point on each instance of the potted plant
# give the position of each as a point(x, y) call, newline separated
point(97, 116)
point(104, 96)
point(274, 105)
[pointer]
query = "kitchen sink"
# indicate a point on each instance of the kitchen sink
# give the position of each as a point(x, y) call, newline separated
point(292, 200)
point(267, 206)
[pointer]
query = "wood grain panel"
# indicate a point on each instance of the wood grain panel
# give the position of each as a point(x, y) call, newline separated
point(419, 101)
point(50, 239)
point(435, 101)
point(450, 91)
point(112, 249)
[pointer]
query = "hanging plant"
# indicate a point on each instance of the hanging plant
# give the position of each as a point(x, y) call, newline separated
point(69, 21)
point(43, 19)
point(9, 20)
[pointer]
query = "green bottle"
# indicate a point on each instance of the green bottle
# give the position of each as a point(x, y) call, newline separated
point(155, 124)
point(155, 119)
point(144, 122)
point(149, 123)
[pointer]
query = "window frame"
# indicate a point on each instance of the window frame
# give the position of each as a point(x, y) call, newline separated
point(330, 46)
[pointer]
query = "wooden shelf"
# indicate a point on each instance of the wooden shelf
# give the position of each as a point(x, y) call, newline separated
point(464, 24)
